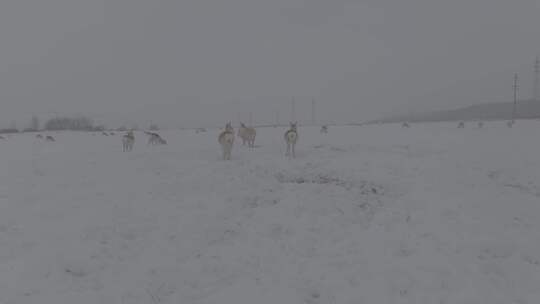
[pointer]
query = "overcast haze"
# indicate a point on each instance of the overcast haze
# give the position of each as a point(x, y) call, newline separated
point(359, 59)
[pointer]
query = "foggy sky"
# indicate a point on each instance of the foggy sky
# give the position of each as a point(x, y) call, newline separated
point(197, 61)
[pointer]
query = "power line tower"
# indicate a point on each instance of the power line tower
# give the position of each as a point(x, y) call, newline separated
point(536, 84)
point(515, 96)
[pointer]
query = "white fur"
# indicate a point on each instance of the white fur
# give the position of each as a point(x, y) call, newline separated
point(247, 134)
point(226, 140)
point(291, 138)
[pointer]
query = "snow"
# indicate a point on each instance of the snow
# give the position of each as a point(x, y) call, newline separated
point(371, 214)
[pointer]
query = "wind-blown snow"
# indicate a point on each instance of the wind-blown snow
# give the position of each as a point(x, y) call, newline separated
point(372, 214)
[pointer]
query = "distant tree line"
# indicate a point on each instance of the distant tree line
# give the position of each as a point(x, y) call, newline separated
point(77, 123)
point(81, 123)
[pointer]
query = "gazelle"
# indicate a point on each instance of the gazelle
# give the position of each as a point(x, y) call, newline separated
point(247, 134)
point(155, 139)
point(291, 138)
point(405, 125)
point(324, 129)
point(461, 124)
point(49, 138)
point(161, 141)
point(127, 141)
point(510, 123)
point(226, 140)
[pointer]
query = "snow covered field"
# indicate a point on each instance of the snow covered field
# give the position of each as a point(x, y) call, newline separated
point(372, 214)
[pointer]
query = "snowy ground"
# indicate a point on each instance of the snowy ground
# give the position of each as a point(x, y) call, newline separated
point(372, 214)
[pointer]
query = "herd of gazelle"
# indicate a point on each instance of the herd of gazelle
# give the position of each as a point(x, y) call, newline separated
point(248, 134)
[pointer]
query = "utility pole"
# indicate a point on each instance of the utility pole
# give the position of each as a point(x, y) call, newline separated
point(536, 85)
point(515, 96)
point(313, 111)
point(293, 110)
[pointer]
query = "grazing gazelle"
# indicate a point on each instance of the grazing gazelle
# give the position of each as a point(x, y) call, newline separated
point(461, 124)
point(226, 140)
point(405, 125)
point(324, 129)
point(49, 138)
point(247, 134)
point(155, 139)
point(127, 141)
point(291, 137)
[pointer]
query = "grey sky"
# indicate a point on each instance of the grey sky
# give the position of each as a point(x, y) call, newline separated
point(359, 59)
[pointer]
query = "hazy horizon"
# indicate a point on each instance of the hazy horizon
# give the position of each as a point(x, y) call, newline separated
point(207, 61)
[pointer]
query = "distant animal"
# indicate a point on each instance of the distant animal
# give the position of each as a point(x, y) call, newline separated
point(324, 129)
point(39, 136)
point(155, 139)
point(104, 133)
point(405, 125)
point(291, 138)
point(247, 134)
point(480, 124)
point(510, 123)
point(162, 141)
point(2, 137)
point(112, 134)
point(226, 140)
point(127, 141)
point(49, 138)
point(461, 124)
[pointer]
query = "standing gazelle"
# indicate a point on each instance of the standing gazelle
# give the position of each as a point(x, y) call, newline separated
point(247, 134)
point(291, 137)
point(127, 141)
point(226, 140)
